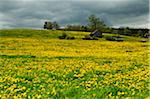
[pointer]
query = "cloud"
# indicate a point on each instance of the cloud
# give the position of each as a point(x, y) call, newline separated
point(33, 13)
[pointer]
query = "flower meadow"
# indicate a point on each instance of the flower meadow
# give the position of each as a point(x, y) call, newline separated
point(35, 67)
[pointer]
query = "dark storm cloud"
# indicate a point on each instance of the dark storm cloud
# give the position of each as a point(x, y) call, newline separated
point(33, 13)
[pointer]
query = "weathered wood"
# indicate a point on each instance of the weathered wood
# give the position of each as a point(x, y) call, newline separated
point(96, 33)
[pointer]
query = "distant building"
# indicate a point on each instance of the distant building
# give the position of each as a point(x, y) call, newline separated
point(96, 33)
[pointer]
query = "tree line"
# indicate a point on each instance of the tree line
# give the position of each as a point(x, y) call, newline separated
point(95, 23)
point(131, 32)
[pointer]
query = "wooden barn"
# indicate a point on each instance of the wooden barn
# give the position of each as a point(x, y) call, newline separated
point(96, 33)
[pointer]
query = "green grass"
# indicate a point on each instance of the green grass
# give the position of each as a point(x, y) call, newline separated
point(36, 64)
point(49, 34)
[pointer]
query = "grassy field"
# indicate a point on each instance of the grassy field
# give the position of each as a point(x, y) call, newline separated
point(36, 64)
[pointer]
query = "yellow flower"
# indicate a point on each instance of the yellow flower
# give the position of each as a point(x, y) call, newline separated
point(54, 91)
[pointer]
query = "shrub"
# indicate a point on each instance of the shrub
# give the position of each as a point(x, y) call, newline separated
point(65, 36)
point(115, 38)
point(110, 39)
point(70, 37)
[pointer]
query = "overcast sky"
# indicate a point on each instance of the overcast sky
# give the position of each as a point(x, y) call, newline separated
point(33, 13)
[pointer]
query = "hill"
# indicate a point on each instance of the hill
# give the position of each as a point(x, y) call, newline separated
point(35, 63)
point(49, 34)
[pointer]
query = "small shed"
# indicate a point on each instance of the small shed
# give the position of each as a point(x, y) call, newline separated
point(96, 33)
